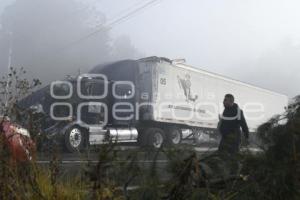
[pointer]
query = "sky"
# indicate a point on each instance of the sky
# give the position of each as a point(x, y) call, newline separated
point(5, 3)
point(255, 41)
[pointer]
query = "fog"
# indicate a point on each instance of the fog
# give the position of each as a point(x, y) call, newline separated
point(47, 38)
point(255, 41)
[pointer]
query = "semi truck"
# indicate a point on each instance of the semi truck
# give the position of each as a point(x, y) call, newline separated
point(152, 101)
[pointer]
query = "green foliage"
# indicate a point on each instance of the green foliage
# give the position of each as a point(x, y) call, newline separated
point(13, 87)
point(274, 174)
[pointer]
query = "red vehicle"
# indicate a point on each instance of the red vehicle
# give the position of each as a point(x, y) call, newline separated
point(21, 147)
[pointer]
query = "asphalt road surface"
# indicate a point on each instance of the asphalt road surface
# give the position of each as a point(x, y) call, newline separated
point(72, 164)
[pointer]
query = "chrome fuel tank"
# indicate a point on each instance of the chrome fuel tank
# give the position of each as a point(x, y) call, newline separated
point(123, 134)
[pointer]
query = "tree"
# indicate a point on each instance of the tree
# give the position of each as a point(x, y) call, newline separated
point(47, 38)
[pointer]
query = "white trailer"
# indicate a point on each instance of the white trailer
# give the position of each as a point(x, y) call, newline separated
point(194, 97)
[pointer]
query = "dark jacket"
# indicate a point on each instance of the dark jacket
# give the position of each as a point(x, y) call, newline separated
point(233, 120)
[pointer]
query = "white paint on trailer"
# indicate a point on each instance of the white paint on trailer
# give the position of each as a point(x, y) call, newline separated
point(186, 95)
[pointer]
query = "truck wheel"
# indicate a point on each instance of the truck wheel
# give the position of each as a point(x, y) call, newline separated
point(74, 139)
point(174, 136)
point(156, 137)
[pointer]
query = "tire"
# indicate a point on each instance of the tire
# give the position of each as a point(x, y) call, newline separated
point(174, 136)
point(156, 137)
point(75, 139)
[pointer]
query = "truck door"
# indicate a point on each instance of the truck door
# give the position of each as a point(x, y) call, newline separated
point(93, 110)
point(123, 108)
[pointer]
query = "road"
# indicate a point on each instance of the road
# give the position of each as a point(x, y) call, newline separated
point(145, 155)
point(71, 164)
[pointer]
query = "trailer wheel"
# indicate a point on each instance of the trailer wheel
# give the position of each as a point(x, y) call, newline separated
point(174, 136)
point(74, 139)
point(156, 137)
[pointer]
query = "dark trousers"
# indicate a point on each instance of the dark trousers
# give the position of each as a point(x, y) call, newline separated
point(229, 148)
point(230, 143)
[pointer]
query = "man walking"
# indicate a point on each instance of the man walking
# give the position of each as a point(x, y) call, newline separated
point(230, 126)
